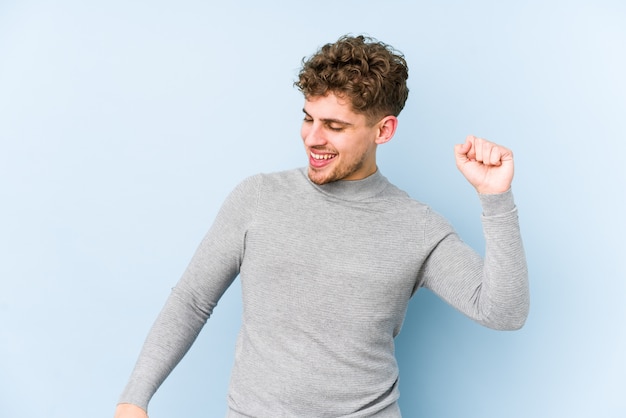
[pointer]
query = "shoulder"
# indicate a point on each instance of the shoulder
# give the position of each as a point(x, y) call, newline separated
point(279, 180)
point(416, 211)
point(274, 182)
point(401, 199)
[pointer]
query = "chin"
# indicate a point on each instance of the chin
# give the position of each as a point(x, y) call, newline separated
point(319, 178)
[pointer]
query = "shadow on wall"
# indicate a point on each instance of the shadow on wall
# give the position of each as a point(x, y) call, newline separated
point(447, 360)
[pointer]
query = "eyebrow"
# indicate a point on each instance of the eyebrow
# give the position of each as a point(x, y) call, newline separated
point(330, 120)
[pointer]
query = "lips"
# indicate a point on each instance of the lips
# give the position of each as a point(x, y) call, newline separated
point(319, 160)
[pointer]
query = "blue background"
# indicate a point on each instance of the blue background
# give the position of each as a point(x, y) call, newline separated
point(124, 124)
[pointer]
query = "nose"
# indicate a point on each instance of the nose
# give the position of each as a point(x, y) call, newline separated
point(312, 134)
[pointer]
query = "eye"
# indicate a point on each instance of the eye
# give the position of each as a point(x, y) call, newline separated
point(335, 128)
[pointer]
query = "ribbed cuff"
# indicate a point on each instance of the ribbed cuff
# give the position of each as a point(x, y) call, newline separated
point(497, 204)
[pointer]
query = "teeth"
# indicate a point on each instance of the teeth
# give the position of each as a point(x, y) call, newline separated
point(322, 157)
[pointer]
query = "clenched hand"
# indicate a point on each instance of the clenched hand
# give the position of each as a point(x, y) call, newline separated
point(486, 165)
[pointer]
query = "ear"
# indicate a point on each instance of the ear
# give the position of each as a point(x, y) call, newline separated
point(386, 129)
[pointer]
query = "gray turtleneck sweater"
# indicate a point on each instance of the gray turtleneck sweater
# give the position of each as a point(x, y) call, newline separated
point(326, 275)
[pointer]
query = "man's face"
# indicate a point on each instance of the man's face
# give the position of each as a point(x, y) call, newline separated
point(340, 143)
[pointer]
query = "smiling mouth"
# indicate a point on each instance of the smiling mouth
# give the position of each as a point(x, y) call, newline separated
point(321, 157)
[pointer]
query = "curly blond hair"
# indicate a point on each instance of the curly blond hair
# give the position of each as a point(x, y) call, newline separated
point(371, 74)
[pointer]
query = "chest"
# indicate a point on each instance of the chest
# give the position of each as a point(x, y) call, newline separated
point(325, 258)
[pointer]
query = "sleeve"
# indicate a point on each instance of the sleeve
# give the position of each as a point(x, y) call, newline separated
point(210, 272)
point(492, 291)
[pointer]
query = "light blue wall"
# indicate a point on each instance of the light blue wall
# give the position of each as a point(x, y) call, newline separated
point(124, 124)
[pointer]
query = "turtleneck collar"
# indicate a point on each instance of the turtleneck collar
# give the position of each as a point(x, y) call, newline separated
point(352, 189)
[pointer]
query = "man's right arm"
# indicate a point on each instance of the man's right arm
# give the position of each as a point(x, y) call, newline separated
point(212, 269)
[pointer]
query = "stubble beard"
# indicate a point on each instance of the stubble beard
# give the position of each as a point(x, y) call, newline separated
point(318, 177)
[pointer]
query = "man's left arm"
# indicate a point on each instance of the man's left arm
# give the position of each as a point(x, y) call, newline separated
point(492, 290)
point(489, 168)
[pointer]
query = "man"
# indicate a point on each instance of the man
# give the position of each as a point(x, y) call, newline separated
point(329, 256)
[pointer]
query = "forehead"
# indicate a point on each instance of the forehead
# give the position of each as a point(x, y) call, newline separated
point(332, 106)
